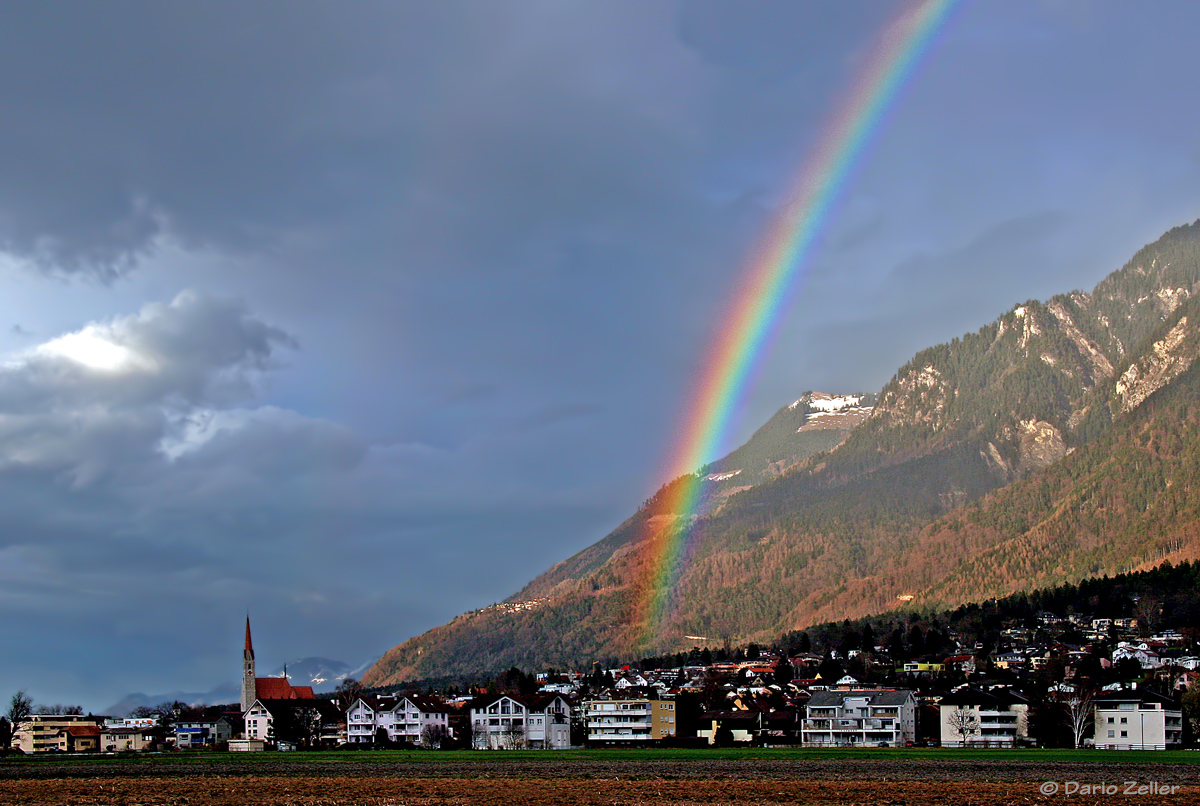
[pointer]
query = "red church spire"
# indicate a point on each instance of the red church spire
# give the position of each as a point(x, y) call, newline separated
point(249, 646)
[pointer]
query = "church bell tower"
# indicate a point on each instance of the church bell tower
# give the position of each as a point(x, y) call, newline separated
point(248, 687)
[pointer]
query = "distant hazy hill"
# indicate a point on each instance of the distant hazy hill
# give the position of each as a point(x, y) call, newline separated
point(1059, 441)
point(322, 674)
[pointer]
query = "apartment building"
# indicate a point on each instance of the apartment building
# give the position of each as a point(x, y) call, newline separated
point(411, 718)
point(1137, 719)
point(512, 722)
point(862, 717)
point(633, 721)
point(58, 733)
point(973, 718)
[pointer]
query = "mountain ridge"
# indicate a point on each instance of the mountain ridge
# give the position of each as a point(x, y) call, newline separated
point(851, 529)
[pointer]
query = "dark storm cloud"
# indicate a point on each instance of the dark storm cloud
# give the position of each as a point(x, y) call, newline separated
point(482, 249)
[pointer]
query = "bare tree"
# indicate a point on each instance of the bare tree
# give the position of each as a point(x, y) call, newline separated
point(59, 708)
point(347, 692)
point(1079, 711)
point(20, 708)
point(435, 737)
point(514, 735)
point(964, 722)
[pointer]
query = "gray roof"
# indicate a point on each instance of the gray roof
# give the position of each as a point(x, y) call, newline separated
point(827, 699)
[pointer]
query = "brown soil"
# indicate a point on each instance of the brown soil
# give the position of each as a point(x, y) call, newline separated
point(380, 791)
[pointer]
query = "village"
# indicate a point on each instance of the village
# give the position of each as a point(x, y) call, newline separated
point(1037, 691)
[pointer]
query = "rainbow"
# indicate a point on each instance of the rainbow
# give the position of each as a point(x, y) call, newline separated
point(770, 279)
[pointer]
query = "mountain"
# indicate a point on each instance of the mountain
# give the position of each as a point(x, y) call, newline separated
point(1057, 442)
point(322, 674)
point(221, 695)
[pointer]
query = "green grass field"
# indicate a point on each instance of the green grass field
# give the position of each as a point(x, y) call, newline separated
point(385, 757)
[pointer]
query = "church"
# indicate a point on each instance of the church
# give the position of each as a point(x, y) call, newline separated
point(266, 688)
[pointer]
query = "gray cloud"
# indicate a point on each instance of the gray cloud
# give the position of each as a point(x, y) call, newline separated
point(483, 249)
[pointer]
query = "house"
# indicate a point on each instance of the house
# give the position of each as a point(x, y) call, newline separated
point(629, 721)
point(960, 663)
point(1137, 719)
point(412, 718)
point(1142, 653)
point(202, 730)
point(865, 717)
point(632, 680)
point(58, 733)
point(744, 725)
point(970, 717)
point(130, 738)
point(512, 721)
point(306, 722)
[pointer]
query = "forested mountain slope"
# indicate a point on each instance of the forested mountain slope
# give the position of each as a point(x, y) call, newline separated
point(1059, 441)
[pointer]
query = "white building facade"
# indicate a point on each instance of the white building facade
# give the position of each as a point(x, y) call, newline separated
point(635, 721)
point(864, 717)
point(512, 722)
point(973, 718)
point(411, 718)
point(1138, 719)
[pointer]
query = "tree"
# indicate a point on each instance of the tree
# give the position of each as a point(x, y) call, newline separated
point(307, 720)
point(347, 692)
point(1191, 708)
point(20, 708)
point(1079, 710)
point(783, 672)
point(868, 638)
point(514, 735)
point(436, 737)
point(6, 735)
point(964, 722)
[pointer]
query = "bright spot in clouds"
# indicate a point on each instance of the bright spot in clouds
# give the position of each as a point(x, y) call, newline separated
point(91, 349)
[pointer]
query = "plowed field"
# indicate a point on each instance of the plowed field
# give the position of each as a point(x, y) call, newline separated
point(591, 779)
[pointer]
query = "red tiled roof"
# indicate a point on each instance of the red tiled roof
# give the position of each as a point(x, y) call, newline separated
point(278, 688)
point(83, 731)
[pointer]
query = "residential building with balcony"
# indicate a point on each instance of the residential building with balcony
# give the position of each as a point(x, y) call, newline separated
point(411, 718)
point(58, 733)
point(513, 722)
point(973, 718)
point(863, 717)
point(1138, 719)
point(629, 721)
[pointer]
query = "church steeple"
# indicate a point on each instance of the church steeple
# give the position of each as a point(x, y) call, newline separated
point(249, 693)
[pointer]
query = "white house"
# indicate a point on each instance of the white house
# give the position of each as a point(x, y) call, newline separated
point(1147, 657)
point(510, 722)
point(411, 718)
point(1137, 719)
point(973, 718)
point(865, 717)
point(316, 721)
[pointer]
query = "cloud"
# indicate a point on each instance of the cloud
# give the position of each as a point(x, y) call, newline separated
point(104, 397)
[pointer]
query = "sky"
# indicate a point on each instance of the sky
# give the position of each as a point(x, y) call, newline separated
point(354, 317)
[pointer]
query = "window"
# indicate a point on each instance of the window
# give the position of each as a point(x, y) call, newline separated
point(1124, 734)
point(1110, 720)
point(1124, 720)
